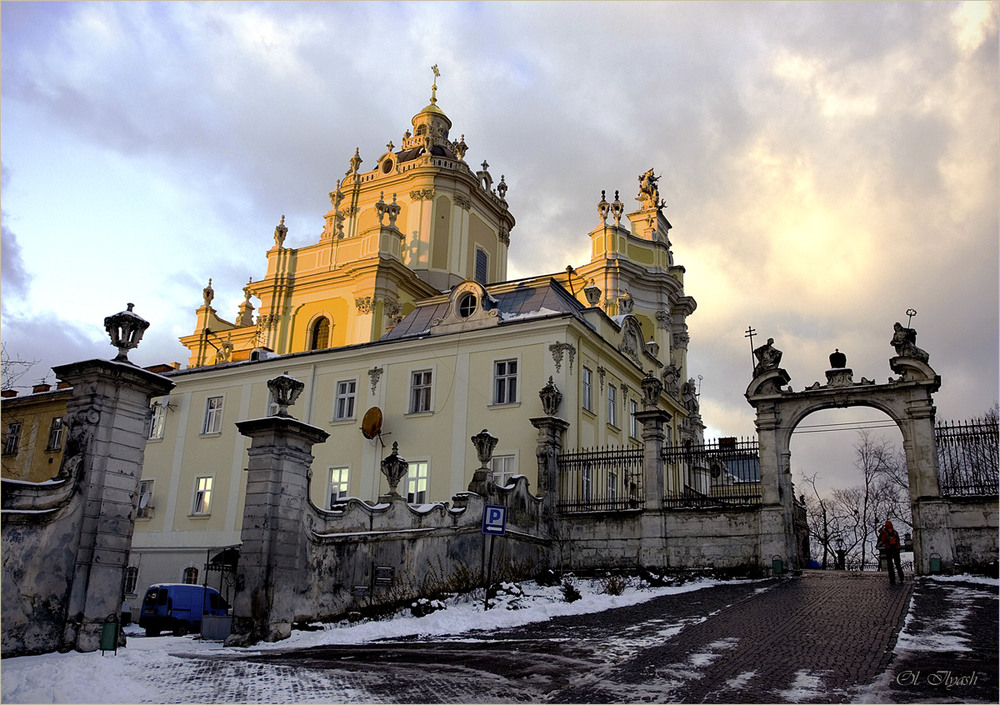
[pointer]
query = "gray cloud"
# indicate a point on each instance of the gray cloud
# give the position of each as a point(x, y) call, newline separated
point(825, 165)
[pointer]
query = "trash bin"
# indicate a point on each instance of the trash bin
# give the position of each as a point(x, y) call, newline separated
point(109, 634)
point(935, 564)
point(777, 565)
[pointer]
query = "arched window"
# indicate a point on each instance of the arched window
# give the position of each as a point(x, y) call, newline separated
point(190, 576)
point(319, 337)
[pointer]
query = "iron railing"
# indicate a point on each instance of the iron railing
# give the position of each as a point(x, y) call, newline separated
point(968, 459)
point(725, 472)
point(601, 480)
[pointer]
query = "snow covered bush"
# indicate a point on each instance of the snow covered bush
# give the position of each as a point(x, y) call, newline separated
point(424, 607)
point(570, 593)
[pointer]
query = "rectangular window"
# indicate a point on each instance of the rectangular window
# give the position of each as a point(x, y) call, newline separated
point(213, 416)
point(12, 438)
point(131, 579)
point(633, 425)
point(587, 388)
point(587, 483)
point(504, 468)
point(203, 496)
point(612, 486)
point(505, 382)
point(157, 420)
point(612, 405)
point(343, 406)
point(416, 483)
point(482, 267)
point(55, 434)
point(420, 391)
point(145, 509)
point(338, 486)
point(190, 576)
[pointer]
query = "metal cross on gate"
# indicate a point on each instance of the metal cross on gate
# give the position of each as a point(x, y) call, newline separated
point(750, 334)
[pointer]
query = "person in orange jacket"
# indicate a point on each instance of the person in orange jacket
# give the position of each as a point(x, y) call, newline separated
point(888, 541)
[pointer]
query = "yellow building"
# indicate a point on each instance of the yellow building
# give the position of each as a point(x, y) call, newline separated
point(33, 433)
point(403, 305)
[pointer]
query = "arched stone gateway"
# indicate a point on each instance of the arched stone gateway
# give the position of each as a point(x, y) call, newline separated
point(906, 399)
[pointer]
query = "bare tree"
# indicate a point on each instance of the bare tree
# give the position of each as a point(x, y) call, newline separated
point(818, 517)
point(12, 369)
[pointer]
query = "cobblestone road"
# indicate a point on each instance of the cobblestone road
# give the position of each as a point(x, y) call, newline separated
point(821, 637)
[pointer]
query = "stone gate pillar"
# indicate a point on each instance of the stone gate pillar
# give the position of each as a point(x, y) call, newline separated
point(550, 435)
point(272, 567)
point(106, 421)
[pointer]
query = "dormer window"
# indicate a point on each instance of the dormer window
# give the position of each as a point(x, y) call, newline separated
point(421, 130)
point(467, 305)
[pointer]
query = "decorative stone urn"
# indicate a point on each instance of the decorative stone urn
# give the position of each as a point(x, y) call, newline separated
point(126, 329)
point(285, 390)
point(593, 293)
point(551, 398)
point(651, 389)
point(484, 442)
point(394, 468)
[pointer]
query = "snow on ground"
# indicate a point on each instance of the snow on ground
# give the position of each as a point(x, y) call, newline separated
point(147, 671)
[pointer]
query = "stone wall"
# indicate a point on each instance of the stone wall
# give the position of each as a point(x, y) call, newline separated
point(66, 541)
point(973, 522)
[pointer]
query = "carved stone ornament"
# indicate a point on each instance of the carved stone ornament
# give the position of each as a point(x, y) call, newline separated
point(280, 231)
point(285, 390)
point(603, 208)
point(502, 188)
point(208, 293)
point(617, 208)
point(485, 443)
point(768, 358)
point(394, 468)
point(424, 194)
point(364, 304)
point(625, 303)
point(393, 210)
point(551, 398)
point(651, 388)
point(663, 319)
point(374, 375)
point(904, 340)
point(557, 350)
point(126, 329)
point(463, 201)
point(593, 293)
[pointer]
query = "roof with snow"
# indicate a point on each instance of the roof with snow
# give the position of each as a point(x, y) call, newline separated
point(529, 299)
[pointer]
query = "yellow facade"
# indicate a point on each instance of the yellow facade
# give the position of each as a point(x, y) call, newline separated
point(33, 434)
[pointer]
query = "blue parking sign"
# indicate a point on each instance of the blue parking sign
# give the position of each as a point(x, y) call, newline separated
point(494, 520)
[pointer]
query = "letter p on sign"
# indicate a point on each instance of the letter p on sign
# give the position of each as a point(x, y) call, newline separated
point(494, 520)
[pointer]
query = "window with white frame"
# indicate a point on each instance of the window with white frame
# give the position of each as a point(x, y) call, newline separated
point(213, 416)
point(586, 388)
point(338, 485)
point(12, 438)
point(202, 496)
point(55, 434)
point(505, 381)
point(190, 576)
point(587, 483)
point(612, 486)
point(633, 424)
point(504, 468)
point(157, 421)
point(416, 483)
point(420, 391)
point(612, 405)
point(343, 404)
point(145, 509)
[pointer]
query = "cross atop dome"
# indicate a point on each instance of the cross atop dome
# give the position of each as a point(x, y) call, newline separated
point(434, 85)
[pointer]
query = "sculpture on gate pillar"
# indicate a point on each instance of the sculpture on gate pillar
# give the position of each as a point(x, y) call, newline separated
point(768, 357)
point(904, 340)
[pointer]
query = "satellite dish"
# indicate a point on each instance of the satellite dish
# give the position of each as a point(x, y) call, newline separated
point(144, 500)
point(371, 424)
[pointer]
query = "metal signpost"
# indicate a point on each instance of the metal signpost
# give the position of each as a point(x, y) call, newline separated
point(494, 524)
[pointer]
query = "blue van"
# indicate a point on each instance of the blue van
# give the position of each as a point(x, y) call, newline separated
point(179, 608)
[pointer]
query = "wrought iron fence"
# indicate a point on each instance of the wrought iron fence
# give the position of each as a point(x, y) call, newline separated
point(725, 472)
point(601, 480)
point(968, 457)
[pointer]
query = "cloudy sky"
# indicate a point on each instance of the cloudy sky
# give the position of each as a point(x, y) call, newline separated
point(826, 166)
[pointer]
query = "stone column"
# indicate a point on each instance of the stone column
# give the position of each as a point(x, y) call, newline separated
point(106, 421)
point(550, 435)
point(272, 569)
